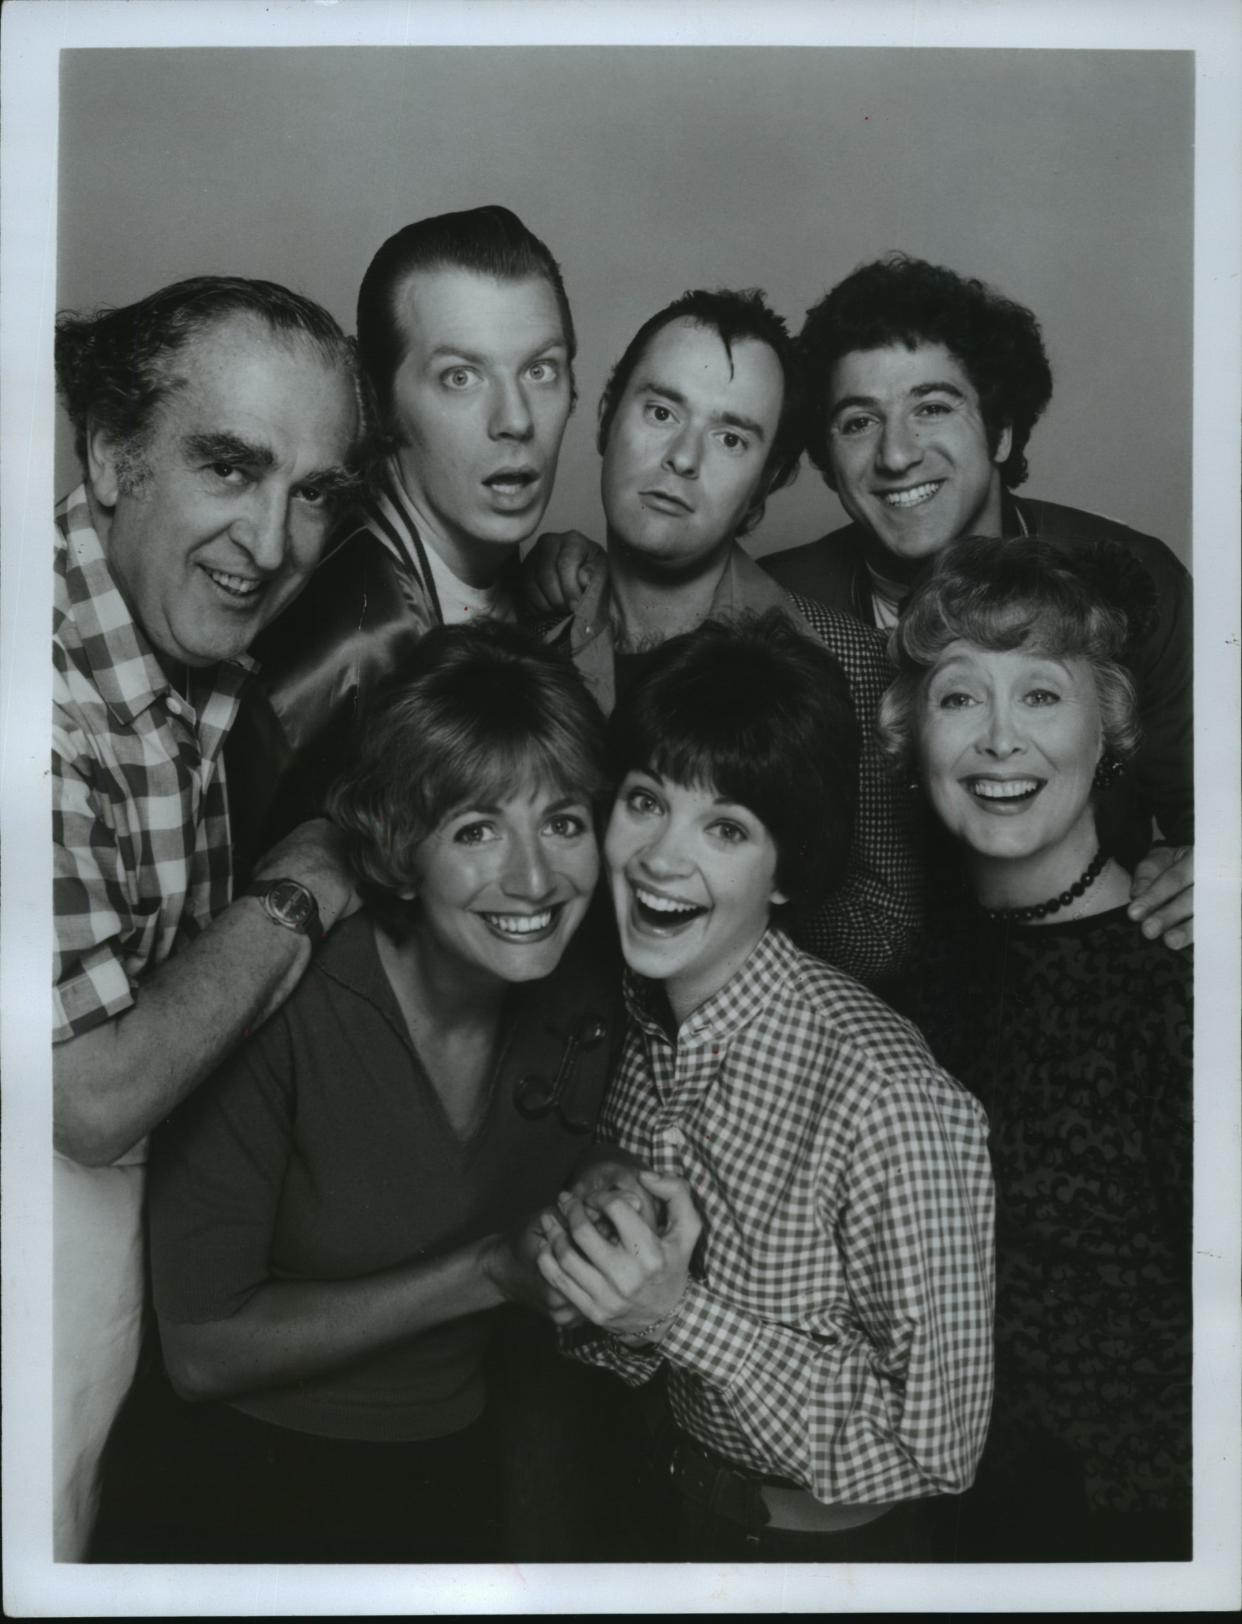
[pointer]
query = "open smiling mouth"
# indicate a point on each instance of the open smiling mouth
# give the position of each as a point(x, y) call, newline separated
point(1004, 792)
point(524, 927)
point(666, 915)
point(914, 496)
point(240, 588)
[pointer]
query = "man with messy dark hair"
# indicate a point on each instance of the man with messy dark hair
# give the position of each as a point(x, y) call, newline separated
point(700, 422)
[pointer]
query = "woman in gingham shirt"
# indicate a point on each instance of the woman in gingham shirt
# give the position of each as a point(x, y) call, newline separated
point(806, 1258)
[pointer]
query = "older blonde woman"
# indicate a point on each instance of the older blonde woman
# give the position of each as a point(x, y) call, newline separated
point(1013, 713)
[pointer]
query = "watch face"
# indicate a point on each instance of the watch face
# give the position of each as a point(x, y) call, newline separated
point(292, 903)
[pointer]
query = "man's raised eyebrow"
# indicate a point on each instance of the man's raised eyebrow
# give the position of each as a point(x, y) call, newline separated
point(653, 386)
point(869, 402)
point(220, 446)
point(942, 387)
point(746, 424)
point(462, 352)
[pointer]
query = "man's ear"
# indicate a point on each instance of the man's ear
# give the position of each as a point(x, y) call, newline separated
point(103, 464)
point(1004, 445)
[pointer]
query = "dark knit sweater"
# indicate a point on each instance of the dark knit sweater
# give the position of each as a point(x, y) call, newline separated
point(1076, 1038)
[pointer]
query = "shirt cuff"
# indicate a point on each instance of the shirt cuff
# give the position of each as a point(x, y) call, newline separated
point(592, 1346)
point(710, 1337)
point(97, 992)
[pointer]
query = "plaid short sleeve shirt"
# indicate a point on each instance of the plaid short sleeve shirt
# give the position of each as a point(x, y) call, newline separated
point(837, 1329)
point(139, 812)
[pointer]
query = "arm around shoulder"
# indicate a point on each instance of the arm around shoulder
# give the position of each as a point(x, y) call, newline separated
point(113, 1083)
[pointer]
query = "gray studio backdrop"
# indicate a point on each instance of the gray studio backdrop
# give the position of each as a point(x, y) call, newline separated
point(1065, 177)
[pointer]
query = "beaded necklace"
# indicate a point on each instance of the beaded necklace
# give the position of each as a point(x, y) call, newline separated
point(1042, 910)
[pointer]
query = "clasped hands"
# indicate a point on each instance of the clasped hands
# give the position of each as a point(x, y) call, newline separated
point(617, 1248)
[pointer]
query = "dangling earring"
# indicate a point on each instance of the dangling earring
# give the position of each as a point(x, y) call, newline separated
point(1108, 771)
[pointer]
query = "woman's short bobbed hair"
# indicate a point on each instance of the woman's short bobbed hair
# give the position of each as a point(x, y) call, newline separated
point(475, 716)
point(1088, 601)
point(761, 714)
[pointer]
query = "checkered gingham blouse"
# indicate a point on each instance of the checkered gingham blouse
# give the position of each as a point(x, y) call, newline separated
point(837, 1329)
point(139, 812)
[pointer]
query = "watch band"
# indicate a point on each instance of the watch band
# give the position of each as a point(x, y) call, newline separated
point(290, 904)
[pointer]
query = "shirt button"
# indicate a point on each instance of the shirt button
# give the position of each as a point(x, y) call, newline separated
point(674, 1136)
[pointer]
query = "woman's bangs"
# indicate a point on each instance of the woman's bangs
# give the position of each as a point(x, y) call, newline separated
point(491, 771)
point(719, 768)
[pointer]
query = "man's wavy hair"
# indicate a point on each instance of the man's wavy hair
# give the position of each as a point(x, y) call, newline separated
point(1089, 601)
point(490, 241)
point(762, 715)
point(733, 315)
point(477, 714)
point(117, 366)
point(900, 300)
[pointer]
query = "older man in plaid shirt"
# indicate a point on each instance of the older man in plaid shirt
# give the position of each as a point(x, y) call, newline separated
point(216, 421)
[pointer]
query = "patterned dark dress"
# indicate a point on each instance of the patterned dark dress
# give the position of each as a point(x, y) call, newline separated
point(1076, 1038)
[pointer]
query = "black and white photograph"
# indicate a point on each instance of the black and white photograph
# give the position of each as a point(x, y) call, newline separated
point(644, 610)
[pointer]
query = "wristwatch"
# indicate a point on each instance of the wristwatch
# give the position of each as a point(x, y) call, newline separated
point(290, 904)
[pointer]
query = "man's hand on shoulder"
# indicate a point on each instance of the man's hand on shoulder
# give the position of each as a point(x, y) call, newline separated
point(557, 572)
point(115, 1082)
point(1162, 895)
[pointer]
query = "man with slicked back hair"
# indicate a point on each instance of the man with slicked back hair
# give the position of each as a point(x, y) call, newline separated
point(467, 342)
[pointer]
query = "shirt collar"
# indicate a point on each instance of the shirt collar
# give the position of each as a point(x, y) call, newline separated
point(589, 616)
point(419, 531)
point(392, 489)
point(121, 660)
point(1013, 521)
point(737, 1003)
point(747, 588)
point(744, 588)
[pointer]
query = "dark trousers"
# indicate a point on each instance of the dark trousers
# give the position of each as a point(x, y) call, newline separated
point(572, 1464)
point(554, 1474)
point(205, 1483)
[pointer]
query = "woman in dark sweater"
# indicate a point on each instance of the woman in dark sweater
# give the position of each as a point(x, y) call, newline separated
point(1014, 713)
point(335, 1219)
